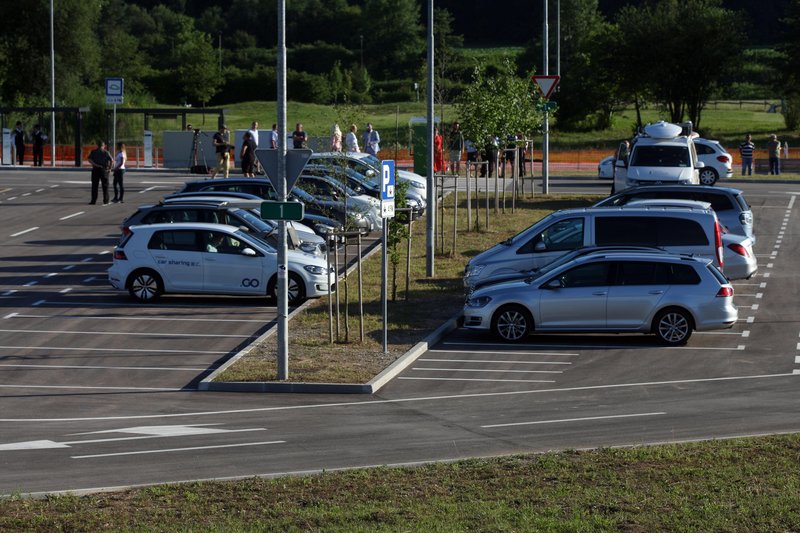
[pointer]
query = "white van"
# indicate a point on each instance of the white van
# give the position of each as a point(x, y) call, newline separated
point(663, 154)
point(688, 230)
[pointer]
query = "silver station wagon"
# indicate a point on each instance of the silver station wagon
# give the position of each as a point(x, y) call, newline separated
point(667, 295)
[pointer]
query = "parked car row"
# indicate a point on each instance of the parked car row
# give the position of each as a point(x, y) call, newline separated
point(651, 259)
point(204, 239)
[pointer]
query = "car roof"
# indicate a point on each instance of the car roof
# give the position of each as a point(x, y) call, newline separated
point(642, 256)
point(213, 194)
point(668, 202)
point(206, 226)
point(703, 188)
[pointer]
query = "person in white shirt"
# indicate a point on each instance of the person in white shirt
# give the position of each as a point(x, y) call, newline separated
point(351, 141)
point(253, 131)
point(273, 137)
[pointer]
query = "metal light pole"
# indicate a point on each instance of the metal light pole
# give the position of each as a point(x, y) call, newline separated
point(546, 122)
point(52, 90)
point(283, 292)
point(431, 218)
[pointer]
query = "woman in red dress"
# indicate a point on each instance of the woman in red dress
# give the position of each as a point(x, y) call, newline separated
point(438, 151)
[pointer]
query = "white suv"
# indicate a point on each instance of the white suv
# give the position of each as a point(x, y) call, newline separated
point(199, 258)
point(662, 154)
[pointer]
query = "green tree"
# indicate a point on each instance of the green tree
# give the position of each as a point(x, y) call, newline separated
point(393, 43)
point(501, 105)
point(666, 48)
point(790, 83)
point(198, 68)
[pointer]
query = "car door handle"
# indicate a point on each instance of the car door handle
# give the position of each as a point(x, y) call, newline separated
point(600, 293)
point(656, 292)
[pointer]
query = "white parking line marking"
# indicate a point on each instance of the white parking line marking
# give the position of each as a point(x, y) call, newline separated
point(583, 419)
point(369, 403)
point(87, 367)
point(509, 352)
point(797, 359)
point(26, 194)
point(487, 370)
point(490, 361)
point(111, 350)
point(612, 346)
point(762, 285)
point(72, 215)
point(746, 333)
point(766, 274)
point(134, 334)
point(147, 190)
point(796, 371)
point(754, 307)
point(141, 318)
point(481, 380)
point(73, 303)
point(194, 448)
point(23, 232)
point(38, 190)
point(759, 295)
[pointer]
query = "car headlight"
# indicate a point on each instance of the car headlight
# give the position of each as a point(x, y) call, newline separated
point(316, 270)
point(474, 270)
point(480, 301)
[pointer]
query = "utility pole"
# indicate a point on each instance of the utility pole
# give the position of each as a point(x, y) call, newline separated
point(431, 218)
point(283, 278)
point(52, 90)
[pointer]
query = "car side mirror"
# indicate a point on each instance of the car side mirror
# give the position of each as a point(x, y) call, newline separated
point(554, 284)
point(249, 252)
point(370, 173)
point(540, 247)
point(700, 164)
point(620, 163)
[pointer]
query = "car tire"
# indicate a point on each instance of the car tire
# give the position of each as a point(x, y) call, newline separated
point(708, 176)
point(673, 326)
point(512, 323)
point(296, 289)
point(145, 285)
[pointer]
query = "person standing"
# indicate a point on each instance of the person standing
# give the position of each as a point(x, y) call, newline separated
point(455, 147)
point(273, 137)
point(336, 139)
point(746, 150)
point(119, 173)
point(774, 151)
point(351, 141)
point(101, 162)
point(247, 156)
point(299, 137)
point(39, 138)
point(19, 142)
point(253, 131)
point(371, 140)
point(220, 141)
point(438, 151)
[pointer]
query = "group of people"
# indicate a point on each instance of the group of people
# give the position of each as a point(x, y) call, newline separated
point(747, 150)
point(104, 164)
point(370, 140)
point(38, 140)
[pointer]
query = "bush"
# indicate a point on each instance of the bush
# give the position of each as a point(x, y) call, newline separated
point(791, 112)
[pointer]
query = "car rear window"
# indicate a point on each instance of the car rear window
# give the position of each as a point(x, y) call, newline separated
point(742, 202)
point(648, 231)
point(717, 274)
point(660, 156)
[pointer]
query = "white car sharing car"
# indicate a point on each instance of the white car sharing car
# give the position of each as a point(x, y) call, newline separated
point(718, 162)
point(200, 258)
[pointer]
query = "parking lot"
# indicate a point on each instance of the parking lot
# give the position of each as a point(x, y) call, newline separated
point(92, 383)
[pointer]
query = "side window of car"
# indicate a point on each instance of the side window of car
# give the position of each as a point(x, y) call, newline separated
point(564, 235)
point(677, 274)
point(679, 232)
point(157, 217)
point(591, 275)
point(634, 231)
point(637, 273)
point(719, 202)
point(177, 240)
point(702, 149)
point(184, 215)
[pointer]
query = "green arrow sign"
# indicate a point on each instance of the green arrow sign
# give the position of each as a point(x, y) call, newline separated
point(282, 211)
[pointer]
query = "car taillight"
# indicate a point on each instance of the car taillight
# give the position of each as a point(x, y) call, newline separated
point(718, 242)
point(724, 292)
point(722, 158)
point(120, 255)
point(739, 249)
point(126, 231)
point(746, 218)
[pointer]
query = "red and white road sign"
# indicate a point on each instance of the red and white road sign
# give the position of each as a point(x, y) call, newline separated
point(546, 84)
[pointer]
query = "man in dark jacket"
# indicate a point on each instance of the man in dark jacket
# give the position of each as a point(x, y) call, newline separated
point(39, 138)
point(101, 162)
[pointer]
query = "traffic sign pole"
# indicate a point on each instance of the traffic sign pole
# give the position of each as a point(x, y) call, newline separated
point(283, 292)
point(387, 213)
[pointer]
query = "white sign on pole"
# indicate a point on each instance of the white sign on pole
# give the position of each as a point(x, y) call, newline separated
point(115, 93)
point(6, 158)
point(387, 189)
point(148, 149)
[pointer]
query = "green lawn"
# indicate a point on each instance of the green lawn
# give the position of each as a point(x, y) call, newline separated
point(744, 485)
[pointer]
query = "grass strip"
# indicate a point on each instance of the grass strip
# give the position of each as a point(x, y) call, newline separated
point(745, 484)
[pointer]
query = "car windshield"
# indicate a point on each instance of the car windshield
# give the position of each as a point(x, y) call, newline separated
point(254, 221)
point(660, 156)
point(249, 237)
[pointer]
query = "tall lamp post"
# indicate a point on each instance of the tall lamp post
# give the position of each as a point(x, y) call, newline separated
point(52, 90)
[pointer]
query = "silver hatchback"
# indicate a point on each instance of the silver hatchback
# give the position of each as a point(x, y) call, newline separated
point(667, 295)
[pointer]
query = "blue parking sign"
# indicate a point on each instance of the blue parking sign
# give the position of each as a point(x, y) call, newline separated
point(387, 189)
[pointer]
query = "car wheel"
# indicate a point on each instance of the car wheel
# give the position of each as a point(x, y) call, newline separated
point(673, 327)
point(512, 323)
point(708, 176)
point(296, 289)
point(145, 286)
